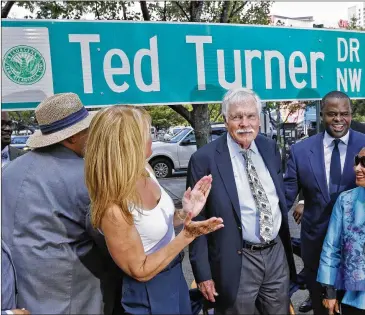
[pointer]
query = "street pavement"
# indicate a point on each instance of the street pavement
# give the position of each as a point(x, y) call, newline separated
point(175, 187)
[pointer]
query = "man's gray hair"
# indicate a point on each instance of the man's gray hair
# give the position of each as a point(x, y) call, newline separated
point(237, 96)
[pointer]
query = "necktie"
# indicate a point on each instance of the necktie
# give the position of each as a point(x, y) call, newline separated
point(261, 200)
point(335, 171)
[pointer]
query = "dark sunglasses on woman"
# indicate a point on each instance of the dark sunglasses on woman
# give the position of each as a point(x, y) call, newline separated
point(360, 159)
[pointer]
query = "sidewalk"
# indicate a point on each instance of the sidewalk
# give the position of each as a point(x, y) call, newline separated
point(175, 187)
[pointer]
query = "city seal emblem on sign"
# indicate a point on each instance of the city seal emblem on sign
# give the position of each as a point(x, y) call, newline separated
point(24, 65)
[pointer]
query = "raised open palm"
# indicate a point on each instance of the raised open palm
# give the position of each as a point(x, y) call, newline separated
point(194, 200)
point(195, 229)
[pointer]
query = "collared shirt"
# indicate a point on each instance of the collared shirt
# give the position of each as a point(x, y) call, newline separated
point(250, 216)
point(5, 156)
point(329, 145)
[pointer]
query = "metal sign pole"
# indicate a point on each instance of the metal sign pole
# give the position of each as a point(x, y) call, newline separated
point(318, 117)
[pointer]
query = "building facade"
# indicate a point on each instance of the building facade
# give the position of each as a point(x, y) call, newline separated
point(280, 20)
point(357, 11)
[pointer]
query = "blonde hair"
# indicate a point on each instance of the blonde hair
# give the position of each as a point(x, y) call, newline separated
point(115, 159)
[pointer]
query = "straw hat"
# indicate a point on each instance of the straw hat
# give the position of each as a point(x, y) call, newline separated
point(59, 117)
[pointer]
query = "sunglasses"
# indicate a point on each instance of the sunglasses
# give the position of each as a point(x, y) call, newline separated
point(360, 160)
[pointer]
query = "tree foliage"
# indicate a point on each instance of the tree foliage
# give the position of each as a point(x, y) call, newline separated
point(354, 25)
point(24, 120)
point(359, 110)
point(165, 117)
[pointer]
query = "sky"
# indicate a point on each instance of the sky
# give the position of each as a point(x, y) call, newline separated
point(323, 12)
point(327, 12)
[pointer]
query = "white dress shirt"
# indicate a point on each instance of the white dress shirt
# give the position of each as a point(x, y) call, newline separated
point(328, 146)
point(7, 159)
point(250, 216)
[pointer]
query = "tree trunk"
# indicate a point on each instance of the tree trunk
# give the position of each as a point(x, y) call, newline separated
point(145, 12)
point(124, 11)
point(196, 8)
point(224, 13)
point(201, 124)
point(6, 9)
point(181, 110)
point(164, 11)
point(200, 114)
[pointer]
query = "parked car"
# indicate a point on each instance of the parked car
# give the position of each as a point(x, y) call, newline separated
point(175, 155)
point(19, 142)
point(302, 138)
point(172, 131)
point(153, 133)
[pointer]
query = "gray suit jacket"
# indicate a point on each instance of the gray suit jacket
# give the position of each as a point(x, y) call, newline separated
point(8, 280)
point(62, 263)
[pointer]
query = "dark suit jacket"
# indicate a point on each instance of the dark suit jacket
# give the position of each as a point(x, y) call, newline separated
point(306, 172)
point(216, 256)
point(358, 126)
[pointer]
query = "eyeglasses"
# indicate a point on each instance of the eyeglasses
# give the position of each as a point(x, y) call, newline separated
point(360, 160)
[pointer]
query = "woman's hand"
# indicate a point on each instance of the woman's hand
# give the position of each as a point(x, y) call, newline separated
point(194, 229)
point(194, 200)
point(331, 305)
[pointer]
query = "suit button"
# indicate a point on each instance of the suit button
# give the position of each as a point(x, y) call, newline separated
point(239, 252)
point(239, 227)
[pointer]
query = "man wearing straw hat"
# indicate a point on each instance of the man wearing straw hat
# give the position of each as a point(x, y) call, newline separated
point(62, 264)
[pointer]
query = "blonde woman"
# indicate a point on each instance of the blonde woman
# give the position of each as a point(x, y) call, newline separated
point(136, 215)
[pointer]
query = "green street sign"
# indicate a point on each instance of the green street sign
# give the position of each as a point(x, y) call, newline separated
point(145, 63)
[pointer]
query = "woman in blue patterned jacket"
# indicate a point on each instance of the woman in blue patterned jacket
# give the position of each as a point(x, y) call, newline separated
point(342, 265)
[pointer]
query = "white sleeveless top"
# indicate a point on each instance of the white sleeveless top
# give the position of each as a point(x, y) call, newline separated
point(156, 226)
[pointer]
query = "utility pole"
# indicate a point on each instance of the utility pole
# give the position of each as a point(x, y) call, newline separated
point(318, 103)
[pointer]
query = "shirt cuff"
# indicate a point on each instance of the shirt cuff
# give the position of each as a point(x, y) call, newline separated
point(9, 312)
point(301, 202)
point(329, 292)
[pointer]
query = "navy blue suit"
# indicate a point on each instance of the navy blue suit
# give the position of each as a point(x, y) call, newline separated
point(217, 255)
point(306, 172)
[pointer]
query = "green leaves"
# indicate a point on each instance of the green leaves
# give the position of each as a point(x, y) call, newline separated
point(241, 12)
point(358, 110)
point(164, 117)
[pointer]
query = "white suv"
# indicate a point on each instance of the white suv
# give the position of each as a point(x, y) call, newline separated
point(173, 131)
point(175, 154)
